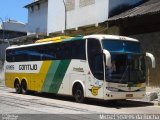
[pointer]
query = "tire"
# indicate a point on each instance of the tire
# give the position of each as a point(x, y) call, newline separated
point(24, 87)
point(17, 87)
point(112, 102)
point(78, 94)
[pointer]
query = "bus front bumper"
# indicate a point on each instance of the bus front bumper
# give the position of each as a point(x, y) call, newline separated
point(124, 95)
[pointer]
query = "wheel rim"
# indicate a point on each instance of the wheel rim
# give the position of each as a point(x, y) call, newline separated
point(24, 88)
point(78, 95)
point(17, 88)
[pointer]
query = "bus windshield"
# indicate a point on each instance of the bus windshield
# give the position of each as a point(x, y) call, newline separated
point(121, 46)
point(128, 64)
point(127, 68)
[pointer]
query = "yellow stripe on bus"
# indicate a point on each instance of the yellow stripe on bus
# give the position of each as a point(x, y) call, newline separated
point(34, 80)
point(54, 39)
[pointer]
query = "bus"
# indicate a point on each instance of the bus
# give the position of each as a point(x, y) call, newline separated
point(105, 67)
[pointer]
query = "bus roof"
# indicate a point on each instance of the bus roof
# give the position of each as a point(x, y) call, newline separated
point(60, 38)
point(67, 38)
point(113, 37)
point(48, 41)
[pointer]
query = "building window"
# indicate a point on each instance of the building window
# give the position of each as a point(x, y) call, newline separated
point(70, 5)
point(38, 6)
point(83, 3)
point(37, 30)
point(31, 9)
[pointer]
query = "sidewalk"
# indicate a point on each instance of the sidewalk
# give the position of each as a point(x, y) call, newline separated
point(152, 95)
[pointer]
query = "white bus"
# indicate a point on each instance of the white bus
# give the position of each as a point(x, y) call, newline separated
point(103, 67)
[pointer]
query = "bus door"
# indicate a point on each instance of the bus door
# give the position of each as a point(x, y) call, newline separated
point(95, 77)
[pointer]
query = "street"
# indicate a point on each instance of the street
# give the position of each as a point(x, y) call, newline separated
point(61, 106)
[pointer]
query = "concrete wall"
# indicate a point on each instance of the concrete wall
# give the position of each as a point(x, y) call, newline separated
point(150, 43)
point(37, 19)
point(3, 47)
point(56, 16)
point(11, 34)
point(79, 16)
point(1, 77)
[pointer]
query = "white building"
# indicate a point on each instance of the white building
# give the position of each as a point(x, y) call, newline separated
point(48, 16)
point(12, 25)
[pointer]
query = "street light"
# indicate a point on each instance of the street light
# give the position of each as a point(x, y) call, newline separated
point(65, 8)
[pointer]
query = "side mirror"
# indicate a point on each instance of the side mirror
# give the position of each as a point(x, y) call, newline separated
point(151, 56)
point(107, 57)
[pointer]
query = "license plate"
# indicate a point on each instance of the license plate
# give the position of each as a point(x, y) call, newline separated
point(129, 95)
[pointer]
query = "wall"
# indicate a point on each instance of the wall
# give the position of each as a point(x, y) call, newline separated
point(3, 47)
point(1, 77)
point(78, 16)
point(37, 19)
point(56, 15)
point(87, 15)
point(150, 43)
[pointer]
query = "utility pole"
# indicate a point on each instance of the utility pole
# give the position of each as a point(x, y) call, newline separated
point(3, 42)
point(3, 36)
point(3, 28)
point(65, 10)
point(1, 59)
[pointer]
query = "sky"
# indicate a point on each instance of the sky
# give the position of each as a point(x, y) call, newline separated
point(14, 10)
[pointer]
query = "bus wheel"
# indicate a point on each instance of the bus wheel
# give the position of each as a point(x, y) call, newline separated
point(78, 93)
point(17, 87)
point(24, 87)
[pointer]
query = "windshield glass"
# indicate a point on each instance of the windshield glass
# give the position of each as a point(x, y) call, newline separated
point(128, 64)
point(126, 68)
point(121, 46)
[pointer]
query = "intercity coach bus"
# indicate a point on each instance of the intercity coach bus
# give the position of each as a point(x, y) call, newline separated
point(103, 67)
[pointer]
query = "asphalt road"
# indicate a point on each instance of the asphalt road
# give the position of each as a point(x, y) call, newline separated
point(49, 106)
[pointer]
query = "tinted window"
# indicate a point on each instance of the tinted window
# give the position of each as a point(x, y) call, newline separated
point(121, 46)
point(57, 51)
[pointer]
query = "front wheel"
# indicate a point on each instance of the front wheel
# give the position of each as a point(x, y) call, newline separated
point(78, 94)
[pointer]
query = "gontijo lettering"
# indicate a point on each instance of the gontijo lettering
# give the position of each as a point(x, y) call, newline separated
point(28, 67)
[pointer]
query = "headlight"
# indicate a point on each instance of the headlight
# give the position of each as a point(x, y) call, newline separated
point(142, 89)
point(112, 89)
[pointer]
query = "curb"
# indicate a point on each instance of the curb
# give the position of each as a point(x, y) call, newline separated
point(155, 103)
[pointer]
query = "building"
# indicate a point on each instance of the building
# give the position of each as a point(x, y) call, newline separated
point(50, 16)
point(143, 23)
point(9, 30)
point(12, 29)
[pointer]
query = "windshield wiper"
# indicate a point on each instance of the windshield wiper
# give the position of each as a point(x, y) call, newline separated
point(124, 74)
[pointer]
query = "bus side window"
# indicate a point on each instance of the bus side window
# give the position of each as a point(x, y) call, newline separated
point(78, 50)
point(9, 56)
